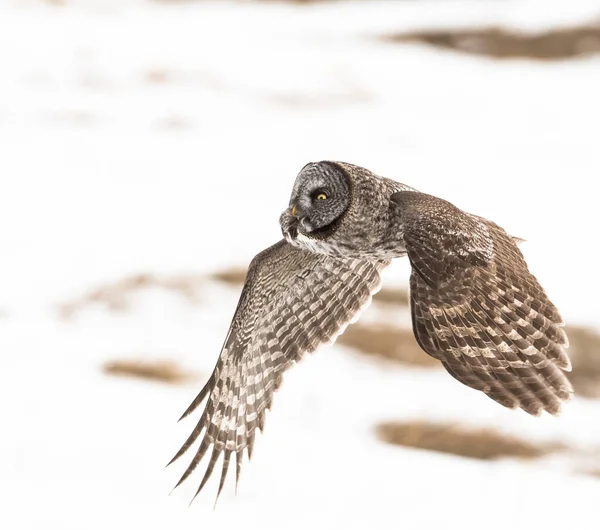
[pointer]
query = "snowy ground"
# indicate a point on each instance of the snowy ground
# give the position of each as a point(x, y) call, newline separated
point(164, 137)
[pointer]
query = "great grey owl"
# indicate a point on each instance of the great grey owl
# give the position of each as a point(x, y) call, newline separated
point(474, 304)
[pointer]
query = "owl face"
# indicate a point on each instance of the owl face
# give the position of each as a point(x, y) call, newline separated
point(320, 197)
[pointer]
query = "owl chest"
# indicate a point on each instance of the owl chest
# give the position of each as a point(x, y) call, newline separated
point(358, 244)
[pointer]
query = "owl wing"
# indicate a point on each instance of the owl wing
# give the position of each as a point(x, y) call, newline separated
point(292, 301)
point(476, 307)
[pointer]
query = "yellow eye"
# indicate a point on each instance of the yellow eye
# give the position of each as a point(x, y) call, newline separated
point(321, 197)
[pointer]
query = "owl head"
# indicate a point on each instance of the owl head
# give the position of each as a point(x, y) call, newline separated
point(320, 198)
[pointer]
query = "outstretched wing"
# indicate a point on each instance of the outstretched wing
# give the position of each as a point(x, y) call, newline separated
point(292, 301)
point(477, 308)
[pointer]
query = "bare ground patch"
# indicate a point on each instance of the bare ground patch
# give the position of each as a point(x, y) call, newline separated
point(116, 296)
point(501, 43)
point(234, 276)
point(174, 123)
point(392, 296)
point(164, 371)
point(157, 76)
point(584, 351)
point(387, 342)
point(482, 444)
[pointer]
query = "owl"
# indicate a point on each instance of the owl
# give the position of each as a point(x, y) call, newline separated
point(475, 306)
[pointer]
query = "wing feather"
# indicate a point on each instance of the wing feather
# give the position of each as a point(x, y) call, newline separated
point(476, 307)
point(292, 301)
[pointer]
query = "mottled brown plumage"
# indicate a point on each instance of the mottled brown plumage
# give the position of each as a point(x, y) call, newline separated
point(475, 305)
point(477, 308)
point(292, 302)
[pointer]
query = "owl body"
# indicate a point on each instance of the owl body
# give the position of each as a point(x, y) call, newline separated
point(475, 306)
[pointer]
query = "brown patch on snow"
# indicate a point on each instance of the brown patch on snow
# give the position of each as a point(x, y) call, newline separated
point(501, 43)
point(386, 342)
point(155, 370)
point(116, 296)
point(483, 444)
